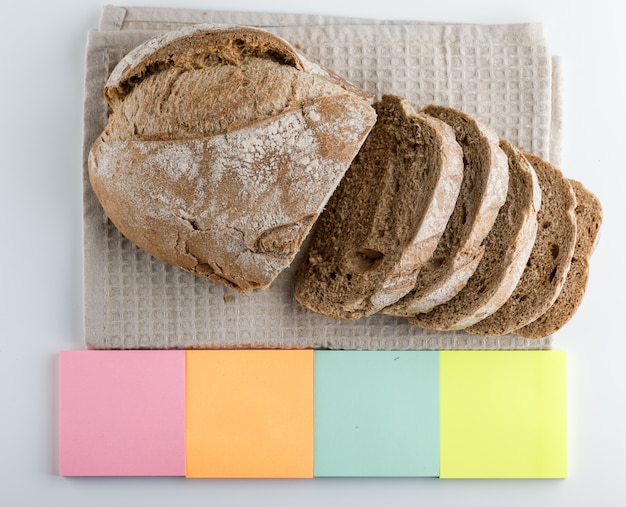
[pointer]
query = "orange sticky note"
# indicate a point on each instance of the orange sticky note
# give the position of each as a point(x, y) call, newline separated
point(250, 413)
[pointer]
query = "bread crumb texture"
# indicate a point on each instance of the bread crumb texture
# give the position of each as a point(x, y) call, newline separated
point(550, 258)
point(385, 219)
point(588, 221)
point(483, 191)
point(507, 249)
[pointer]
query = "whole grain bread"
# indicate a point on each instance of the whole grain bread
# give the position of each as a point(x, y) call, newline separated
point(588, 222)
point(222, 148)
point(483, 192)
point(507, 248)
point(549, 261)
point(386, 218)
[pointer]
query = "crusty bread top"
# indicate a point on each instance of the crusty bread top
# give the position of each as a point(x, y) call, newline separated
point(549, 261)
point(483, 192)
point(221, 165)
point(386, 217)
point(588, 222)
point(176, 103)
point(194, 46)
point(507, 248)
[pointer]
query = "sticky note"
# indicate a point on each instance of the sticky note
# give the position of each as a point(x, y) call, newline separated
point(376, 413)
point(122, 413)
point(503, 414)
point(250, 413)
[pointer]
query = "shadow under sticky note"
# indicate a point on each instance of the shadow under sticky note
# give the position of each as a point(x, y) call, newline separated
point(377, 413)
point(503, 414)
point(122, 413)
point(250, 413)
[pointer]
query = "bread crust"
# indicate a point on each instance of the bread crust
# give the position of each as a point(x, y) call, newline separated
point(189, 46)
point(230, 200)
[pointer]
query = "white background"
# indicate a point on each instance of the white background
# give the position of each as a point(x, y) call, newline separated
point(41, 82)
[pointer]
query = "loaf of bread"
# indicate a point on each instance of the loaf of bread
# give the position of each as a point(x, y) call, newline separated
point(386, 218)
point(549, 261)
point(225, 146)
point(483, 192)
point(222, 148)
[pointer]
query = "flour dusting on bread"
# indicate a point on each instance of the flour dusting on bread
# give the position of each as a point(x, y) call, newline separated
point(222, 149)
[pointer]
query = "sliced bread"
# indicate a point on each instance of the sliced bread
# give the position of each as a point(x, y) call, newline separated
point(549, 261)
point(507, 248)
point(588, 222)
point(386, 218)
point(483, 192)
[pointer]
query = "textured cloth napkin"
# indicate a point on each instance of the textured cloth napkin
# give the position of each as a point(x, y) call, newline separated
point(501, 74)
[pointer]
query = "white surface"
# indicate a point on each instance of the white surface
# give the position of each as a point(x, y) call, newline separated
point(40, 202)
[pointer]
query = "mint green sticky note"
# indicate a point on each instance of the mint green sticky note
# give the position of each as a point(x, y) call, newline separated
point(503, 414)
point(376, 413)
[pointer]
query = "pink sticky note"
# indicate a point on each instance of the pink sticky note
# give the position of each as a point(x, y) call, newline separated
point(122, 413)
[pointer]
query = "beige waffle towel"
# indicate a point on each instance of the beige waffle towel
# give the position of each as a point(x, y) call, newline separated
point(502, 74)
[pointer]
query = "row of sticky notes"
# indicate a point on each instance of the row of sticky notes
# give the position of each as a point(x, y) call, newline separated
point(305, 413)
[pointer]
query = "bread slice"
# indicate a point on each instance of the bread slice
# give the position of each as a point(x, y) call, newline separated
point(588, 222)
point(386, 218)
point(507, 248)
point(483, 192)
point(549, 261)
point(222, 148)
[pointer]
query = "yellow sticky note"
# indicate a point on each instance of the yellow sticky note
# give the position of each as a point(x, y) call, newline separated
point(250, 413)
point(503, 414)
